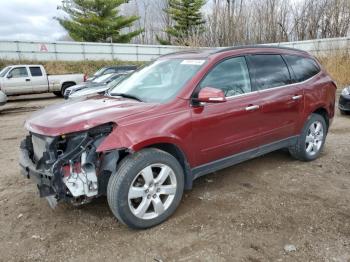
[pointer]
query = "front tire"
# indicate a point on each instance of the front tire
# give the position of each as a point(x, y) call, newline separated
point(146, 189)
point(311, 141)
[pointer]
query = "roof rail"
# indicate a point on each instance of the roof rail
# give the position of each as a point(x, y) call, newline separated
point(189, 51)
point(257, 46)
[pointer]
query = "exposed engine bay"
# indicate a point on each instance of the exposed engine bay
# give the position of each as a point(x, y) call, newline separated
point(68, 167)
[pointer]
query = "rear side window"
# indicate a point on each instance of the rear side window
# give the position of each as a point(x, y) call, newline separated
point(35, 71)
point(268, 71)
point(303, 68)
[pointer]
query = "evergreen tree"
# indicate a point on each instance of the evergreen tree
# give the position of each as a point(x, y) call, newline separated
point(97, 21)
point(187, 18)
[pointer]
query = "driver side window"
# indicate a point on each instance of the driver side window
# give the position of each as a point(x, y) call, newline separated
point(231, 76)
point(19, 72)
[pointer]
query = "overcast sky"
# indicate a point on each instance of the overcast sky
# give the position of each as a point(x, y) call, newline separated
point(30, 20)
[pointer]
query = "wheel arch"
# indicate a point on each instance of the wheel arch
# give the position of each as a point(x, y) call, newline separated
point(178, 153)
point(324, 113)
point(67, 83)
point(171, 149)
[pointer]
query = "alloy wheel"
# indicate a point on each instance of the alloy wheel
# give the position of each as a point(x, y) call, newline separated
point(152, 191)
point(314, 138)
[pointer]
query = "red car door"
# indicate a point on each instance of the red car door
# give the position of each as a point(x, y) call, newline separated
point(231, 127)
point(281, 101)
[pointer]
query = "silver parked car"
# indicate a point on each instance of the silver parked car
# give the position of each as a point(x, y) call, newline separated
point(3, 98)
point(98, 89)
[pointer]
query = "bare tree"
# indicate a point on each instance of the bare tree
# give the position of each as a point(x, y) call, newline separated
point(236, 22)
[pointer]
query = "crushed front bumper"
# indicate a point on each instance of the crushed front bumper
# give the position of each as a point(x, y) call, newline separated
point(43, 178)
point(68, 168)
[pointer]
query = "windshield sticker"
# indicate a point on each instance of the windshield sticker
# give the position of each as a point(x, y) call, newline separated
point(192, 62)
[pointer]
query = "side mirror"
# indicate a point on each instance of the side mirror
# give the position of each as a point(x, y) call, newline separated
point(9, 76)
point(211, 95)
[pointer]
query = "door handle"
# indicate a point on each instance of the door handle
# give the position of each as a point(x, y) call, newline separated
point(27, 80)
point(252, 107)
point(297, 97)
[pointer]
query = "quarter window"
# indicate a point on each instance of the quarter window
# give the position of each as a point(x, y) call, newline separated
point(35, 71)
point(19, 72)
point(268, 71)
point(231, 76)
point(303, 68)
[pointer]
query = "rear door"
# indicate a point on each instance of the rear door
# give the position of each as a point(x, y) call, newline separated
point(231, 127)
point(17, 81)
point(282, 101)
point(38, 80)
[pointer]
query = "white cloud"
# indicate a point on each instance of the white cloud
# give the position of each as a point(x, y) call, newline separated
point(30, 20)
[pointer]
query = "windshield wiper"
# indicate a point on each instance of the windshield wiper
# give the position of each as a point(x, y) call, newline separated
point(126, 96)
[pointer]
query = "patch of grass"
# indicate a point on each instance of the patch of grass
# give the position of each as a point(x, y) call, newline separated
point(337, 64)
point(69, 67)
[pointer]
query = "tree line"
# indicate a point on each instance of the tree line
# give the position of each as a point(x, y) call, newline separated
point(204, 23)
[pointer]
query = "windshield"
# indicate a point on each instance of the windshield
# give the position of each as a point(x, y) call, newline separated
point(101, 79)
point(116, 81)
point(159, 81)
point(100, 71)
point(4, 71)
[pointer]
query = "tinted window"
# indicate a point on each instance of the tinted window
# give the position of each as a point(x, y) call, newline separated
point(35, 71)
point(109, 71)
point(19, 72)
point(268, 71)
point(231, 76)
point(303, 68)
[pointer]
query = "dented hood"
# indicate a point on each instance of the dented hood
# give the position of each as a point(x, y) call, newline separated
point(82, 114)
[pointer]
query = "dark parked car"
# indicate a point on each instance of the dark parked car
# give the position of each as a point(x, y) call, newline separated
point(181, 117)
point(112, 70)
point(344, 101)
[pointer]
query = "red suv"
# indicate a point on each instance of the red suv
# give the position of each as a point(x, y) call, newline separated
point(181, 117)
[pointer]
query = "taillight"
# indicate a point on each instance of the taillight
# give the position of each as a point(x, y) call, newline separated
point(85, 77)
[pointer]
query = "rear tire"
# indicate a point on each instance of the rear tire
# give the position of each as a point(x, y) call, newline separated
point(311, 140)
point(146, 189)
point(58, 93)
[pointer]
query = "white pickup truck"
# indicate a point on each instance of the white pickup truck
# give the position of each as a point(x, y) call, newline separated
point(30, 79)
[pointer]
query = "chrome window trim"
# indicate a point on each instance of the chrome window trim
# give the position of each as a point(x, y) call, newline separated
point(273, 88)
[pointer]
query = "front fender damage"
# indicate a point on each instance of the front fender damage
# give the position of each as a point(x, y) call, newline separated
point(69, 167)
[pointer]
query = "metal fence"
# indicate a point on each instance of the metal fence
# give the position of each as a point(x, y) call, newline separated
point(320, 46)
point(77, 51)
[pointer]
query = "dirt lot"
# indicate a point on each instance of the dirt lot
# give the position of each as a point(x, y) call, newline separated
point(245, 213)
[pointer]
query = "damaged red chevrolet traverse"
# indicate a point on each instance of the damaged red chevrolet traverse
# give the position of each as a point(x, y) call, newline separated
point(183, 116)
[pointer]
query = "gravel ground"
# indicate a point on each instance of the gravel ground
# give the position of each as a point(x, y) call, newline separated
point(249, 212)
